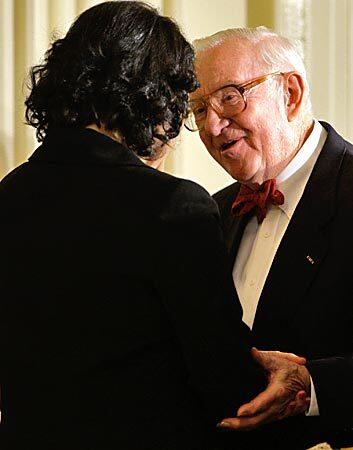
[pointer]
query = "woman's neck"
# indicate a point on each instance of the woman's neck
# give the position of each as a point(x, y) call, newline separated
point(155, 163)
point(113, 135)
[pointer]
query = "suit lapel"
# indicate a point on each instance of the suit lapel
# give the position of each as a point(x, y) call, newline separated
point(235, 233)
point(304, 245)
point(233, 226)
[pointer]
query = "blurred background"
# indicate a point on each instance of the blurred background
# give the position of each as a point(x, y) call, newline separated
point(324, 26)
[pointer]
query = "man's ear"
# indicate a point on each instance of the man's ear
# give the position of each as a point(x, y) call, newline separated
point(294, 90)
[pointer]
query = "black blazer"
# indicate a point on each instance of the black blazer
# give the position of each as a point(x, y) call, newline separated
point(119, 324)
point(306, 305)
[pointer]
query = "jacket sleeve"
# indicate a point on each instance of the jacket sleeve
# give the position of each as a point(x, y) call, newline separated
point(333, 380)
point(197, 290)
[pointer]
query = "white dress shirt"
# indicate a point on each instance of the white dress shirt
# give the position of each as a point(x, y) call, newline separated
point(260, 242)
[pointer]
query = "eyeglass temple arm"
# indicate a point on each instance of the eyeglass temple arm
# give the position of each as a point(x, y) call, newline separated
point(245, 87)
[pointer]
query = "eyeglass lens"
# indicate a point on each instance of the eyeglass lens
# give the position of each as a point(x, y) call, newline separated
point(226, 102)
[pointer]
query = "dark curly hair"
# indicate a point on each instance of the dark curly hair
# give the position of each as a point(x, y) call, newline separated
point(122, 66)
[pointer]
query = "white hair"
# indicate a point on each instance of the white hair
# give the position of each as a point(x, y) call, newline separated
point(277, 52)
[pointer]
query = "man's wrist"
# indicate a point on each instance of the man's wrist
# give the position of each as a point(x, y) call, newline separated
point(305, 379)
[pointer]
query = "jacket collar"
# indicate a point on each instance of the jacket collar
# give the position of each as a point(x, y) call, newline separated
point(83, 146)
point(319, 198)
point(304, 245)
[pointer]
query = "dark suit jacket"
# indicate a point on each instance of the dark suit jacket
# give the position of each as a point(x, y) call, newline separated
point(306, 307)
point(119, 324)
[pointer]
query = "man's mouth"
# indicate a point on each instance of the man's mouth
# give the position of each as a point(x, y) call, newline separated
point(229, 144)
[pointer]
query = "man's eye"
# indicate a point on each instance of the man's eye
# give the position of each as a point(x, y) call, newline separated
point(230, 97)
point(199, 111)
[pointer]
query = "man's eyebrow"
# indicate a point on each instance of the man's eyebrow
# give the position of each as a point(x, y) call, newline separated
point(228, 82)
point(197, 99)
point(225, 83)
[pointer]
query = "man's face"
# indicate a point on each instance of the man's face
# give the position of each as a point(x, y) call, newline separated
point(251, 145)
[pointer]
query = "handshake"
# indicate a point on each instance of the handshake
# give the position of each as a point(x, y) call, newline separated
point(287, 393)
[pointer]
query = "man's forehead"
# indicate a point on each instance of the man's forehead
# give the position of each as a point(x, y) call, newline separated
point(231, 62)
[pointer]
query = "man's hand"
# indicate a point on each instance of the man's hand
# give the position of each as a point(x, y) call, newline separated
point(286, 394)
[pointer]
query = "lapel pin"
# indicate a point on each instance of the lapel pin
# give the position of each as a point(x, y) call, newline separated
point(310, 259)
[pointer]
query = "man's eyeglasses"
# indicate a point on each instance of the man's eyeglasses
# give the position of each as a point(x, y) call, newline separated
point(226, 101)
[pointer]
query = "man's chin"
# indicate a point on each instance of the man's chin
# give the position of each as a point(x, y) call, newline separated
point(241, 176)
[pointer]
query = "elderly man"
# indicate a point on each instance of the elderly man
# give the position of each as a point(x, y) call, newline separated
point(286, 219)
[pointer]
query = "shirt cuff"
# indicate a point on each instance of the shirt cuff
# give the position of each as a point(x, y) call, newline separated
point(314, 407)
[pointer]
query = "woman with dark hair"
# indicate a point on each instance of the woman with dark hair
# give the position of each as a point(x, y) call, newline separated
point(119, 324)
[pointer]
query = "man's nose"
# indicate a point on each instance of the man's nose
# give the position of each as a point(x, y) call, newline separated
point(215, 122)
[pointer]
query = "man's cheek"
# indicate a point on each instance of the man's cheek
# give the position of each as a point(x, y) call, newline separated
point(203, 137)
point(207, 143)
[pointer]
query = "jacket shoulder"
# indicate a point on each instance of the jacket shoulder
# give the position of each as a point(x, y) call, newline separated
point(186, 198)
point(225, 197)
point(12, 175)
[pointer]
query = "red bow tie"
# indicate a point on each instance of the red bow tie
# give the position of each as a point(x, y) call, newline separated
point(257, 199)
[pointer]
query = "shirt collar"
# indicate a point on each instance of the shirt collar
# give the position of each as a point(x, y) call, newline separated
point(292, 180)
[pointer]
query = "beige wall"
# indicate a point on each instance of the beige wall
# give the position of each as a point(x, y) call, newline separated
point(261, 12)
point(199, 18)
point(7, 88)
